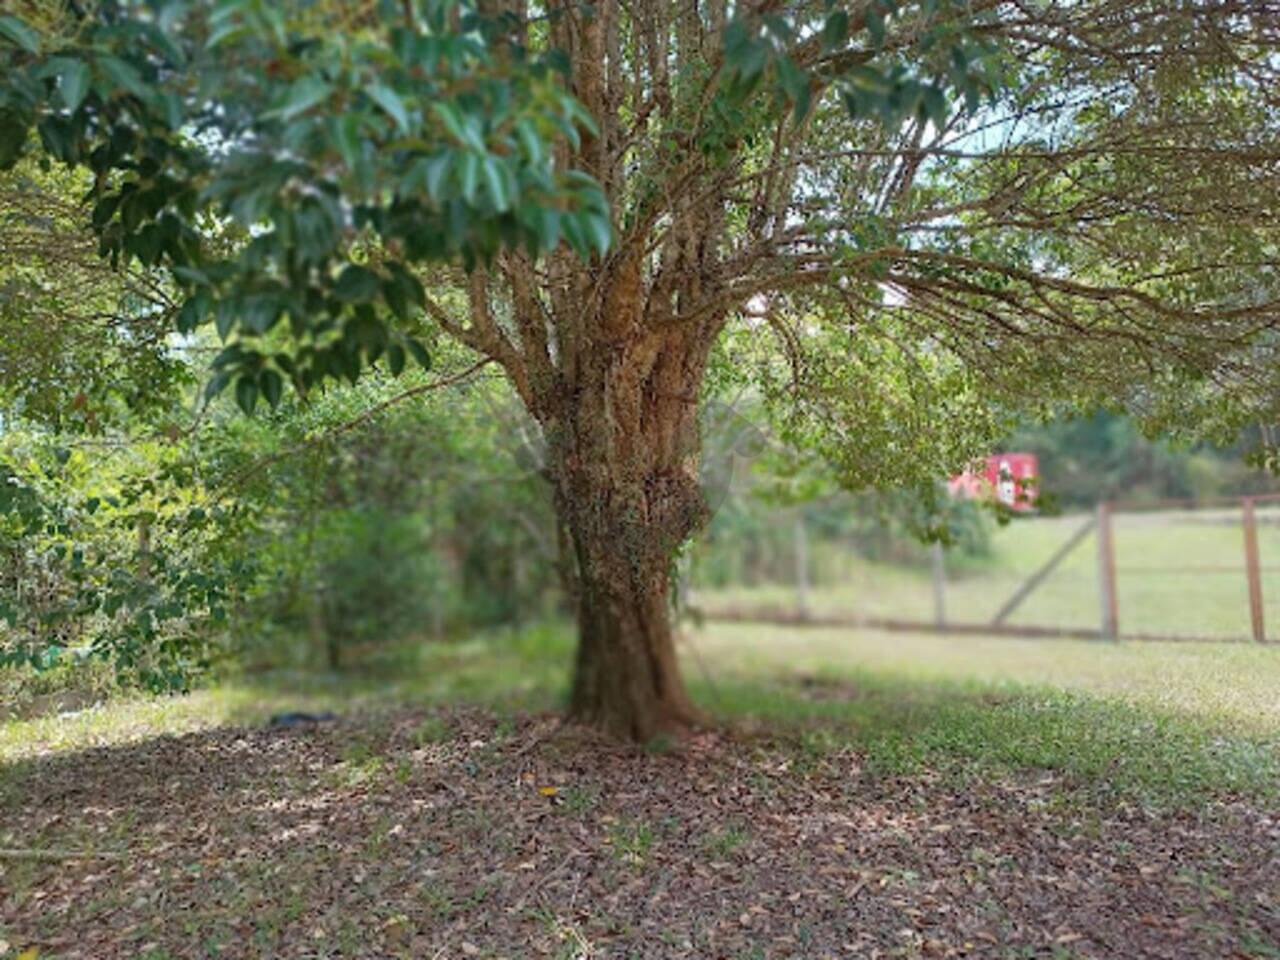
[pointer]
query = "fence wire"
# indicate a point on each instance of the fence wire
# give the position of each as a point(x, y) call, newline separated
point(1180, 573)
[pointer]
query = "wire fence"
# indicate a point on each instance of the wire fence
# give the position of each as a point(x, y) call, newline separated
point(1168, 570)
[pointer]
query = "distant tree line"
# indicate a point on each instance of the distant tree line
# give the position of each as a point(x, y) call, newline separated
point(1106, 455)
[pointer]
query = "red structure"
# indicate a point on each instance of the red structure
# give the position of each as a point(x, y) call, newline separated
point(1010, 478)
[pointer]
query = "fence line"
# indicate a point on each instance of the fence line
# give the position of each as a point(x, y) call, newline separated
point(1039, 577)
point(791, 618)
point(1111, 575)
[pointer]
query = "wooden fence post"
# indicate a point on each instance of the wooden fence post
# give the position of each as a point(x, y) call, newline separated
point(1107, 602)
point(1253, 571)
point(802, 566)
point(939, 585)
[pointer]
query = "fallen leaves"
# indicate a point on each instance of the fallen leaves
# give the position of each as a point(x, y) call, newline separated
point(544, 840)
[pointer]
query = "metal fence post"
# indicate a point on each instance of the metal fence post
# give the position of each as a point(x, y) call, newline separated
point(1253, 571)
point(1107, 602)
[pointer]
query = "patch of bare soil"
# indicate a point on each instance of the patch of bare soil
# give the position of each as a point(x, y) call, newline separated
point(456, 835)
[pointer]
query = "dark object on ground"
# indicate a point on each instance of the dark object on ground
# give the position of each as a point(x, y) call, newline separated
point(300, 719)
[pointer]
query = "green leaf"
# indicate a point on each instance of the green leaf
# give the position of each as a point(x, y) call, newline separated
point(227, 25)
point(346, 134)
point(534, 149)
point(407, 282)
point(795, 84)
point(599, 232)
point(73, 81)
point(369, 332)
point(395, 359)
point(193, 312)
point(171, 106)
point(836, 29)
point(246, 394)
point(357, 284)
point(419, 353)
point(57, 136)
point(390, 101)
point(216, 385)
point(303, 94)
point(457, 125)
point(736, 38)
point(224, 318)
point(396, 298)
point(124, 76)
point(546, 227)
point(435, 172)
point(469, 177)
point(875, 27)
point(18, 32)
point(779, 27)
point(571, 227)
point(495, 179)
point(272, 386)
point(13, 135)
point(260, 312)
point(934, 105)
point(189, 275)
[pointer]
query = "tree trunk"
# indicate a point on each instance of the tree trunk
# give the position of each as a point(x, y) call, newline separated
point(626, 678)
point(623, 460)
point(614, 380)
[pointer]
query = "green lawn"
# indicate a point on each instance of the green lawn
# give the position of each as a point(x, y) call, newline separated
point(980, 783)
point(512, 670)
point(1232, 685)
point(1162, 723)
point(1178, 574)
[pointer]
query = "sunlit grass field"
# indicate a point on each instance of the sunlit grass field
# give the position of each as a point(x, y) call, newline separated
point(1179, 573)
point(1235, 686)
point(1176, 723)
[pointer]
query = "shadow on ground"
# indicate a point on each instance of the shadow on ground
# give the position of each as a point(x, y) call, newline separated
point(462, 833)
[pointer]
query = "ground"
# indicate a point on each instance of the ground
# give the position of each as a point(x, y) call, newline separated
point(864, 808)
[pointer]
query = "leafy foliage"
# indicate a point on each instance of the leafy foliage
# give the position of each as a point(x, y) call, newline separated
point(106, 560)
point(336, 157)
point(903, 225)
point(83, 348)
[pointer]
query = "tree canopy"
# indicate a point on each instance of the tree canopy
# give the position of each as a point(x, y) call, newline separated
point(941, 213)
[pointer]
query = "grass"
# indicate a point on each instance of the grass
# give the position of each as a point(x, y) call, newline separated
point(1231, 686)
point(631, 840)
point(510, 671)
point(1110, 750)
point(1164, 724)
point(921, 767)
point(726, 841)
point(1178, 574)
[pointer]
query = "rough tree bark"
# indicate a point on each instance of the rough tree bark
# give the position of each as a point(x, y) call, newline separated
point(615, 392)
point(623, 456)
point(626, 678)
point(609, 357)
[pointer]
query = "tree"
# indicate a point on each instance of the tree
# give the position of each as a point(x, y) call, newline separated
point(943, 212)
point(81, 345)
point(1104, 456)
